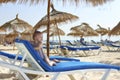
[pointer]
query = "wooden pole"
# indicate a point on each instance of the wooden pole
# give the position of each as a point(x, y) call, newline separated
point(48, 26)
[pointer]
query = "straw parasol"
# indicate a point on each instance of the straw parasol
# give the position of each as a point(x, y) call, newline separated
point(115, 30)
point(27, 34)
point(55, 18)
point(75, 33)
point(85, 29)
point(16, 24)
point(55, 31)
point(2, 30)
point(2, 36)
point(102, 31)
point(92, 2)
point(13, 35)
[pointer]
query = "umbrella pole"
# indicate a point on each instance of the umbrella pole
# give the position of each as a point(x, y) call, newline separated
point(48, 26)
point(101, 37)
point(58, 33)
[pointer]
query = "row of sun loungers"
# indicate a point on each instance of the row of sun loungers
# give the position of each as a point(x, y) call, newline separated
point(111, 46)
point(71, 49)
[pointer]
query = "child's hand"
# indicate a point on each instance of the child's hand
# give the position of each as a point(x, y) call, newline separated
point(52, 63)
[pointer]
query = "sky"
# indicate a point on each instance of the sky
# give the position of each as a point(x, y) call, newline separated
point(107, 15)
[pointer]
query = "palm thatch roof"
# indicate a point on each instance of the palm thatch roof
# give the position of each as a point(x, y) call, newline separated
point(2, 30)
point(54, 31)
point(85, 29)
point(115, 30)
point(56, 17)
point(92, 2)
point(101, 30)
point(27, 32)
point(27, 35)
point(75, 33)
point(16, 24)
point(6, 1)
point(12, 34)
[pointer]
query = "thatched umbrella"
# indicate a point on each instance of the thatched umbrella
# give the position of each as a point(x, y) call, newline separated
point(85, 29)
point(55, 31)
point(11, 36)
point(102, 31)
point(93, 2)
point(115, 30)
point(2, 30)
point(27, 35)
point(16, 24)
point(2, 35)
point(55, 17)
point(75, 33)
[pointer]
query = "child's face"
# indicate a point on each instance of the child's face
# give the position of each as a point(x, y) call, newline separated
point(39, 37)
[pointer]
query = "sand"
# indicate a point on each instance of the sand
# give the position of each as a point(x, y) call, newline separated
point(107, 57)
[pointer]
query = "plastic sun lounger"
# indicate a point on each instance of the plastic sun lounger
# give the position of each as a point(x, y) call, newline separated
point(13, 57)
point(85, 44)
point(10, 56)
point(86, 49)
point(40, 67)
point(70, 43)
point(111, 46)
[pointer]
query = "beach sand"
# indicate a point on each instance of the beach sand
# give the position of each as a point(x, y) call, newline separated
point(103, 57)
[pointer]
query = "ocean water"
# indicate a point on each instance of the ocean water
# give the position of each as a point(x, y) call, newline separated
point(88, 39)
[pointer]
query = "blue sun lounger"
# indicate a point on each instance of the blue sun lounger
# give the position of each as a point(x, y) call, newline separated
point(10, 56)
point(111, 46)
point(86, 49)
point(70, 43)
point(13, 57)
point(40, 67)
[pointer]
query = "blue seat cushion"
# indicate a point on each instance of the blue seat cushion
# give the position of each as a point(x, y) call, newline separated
point(11, 56)
point(63, 58)
point(80, 48)
point(74, 65)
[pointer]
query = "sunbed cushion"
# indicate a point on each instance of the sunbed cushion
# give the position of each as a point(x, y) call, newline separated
point(11, 56)
point(74, 65)
point(62, 58)
point(79, 48)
